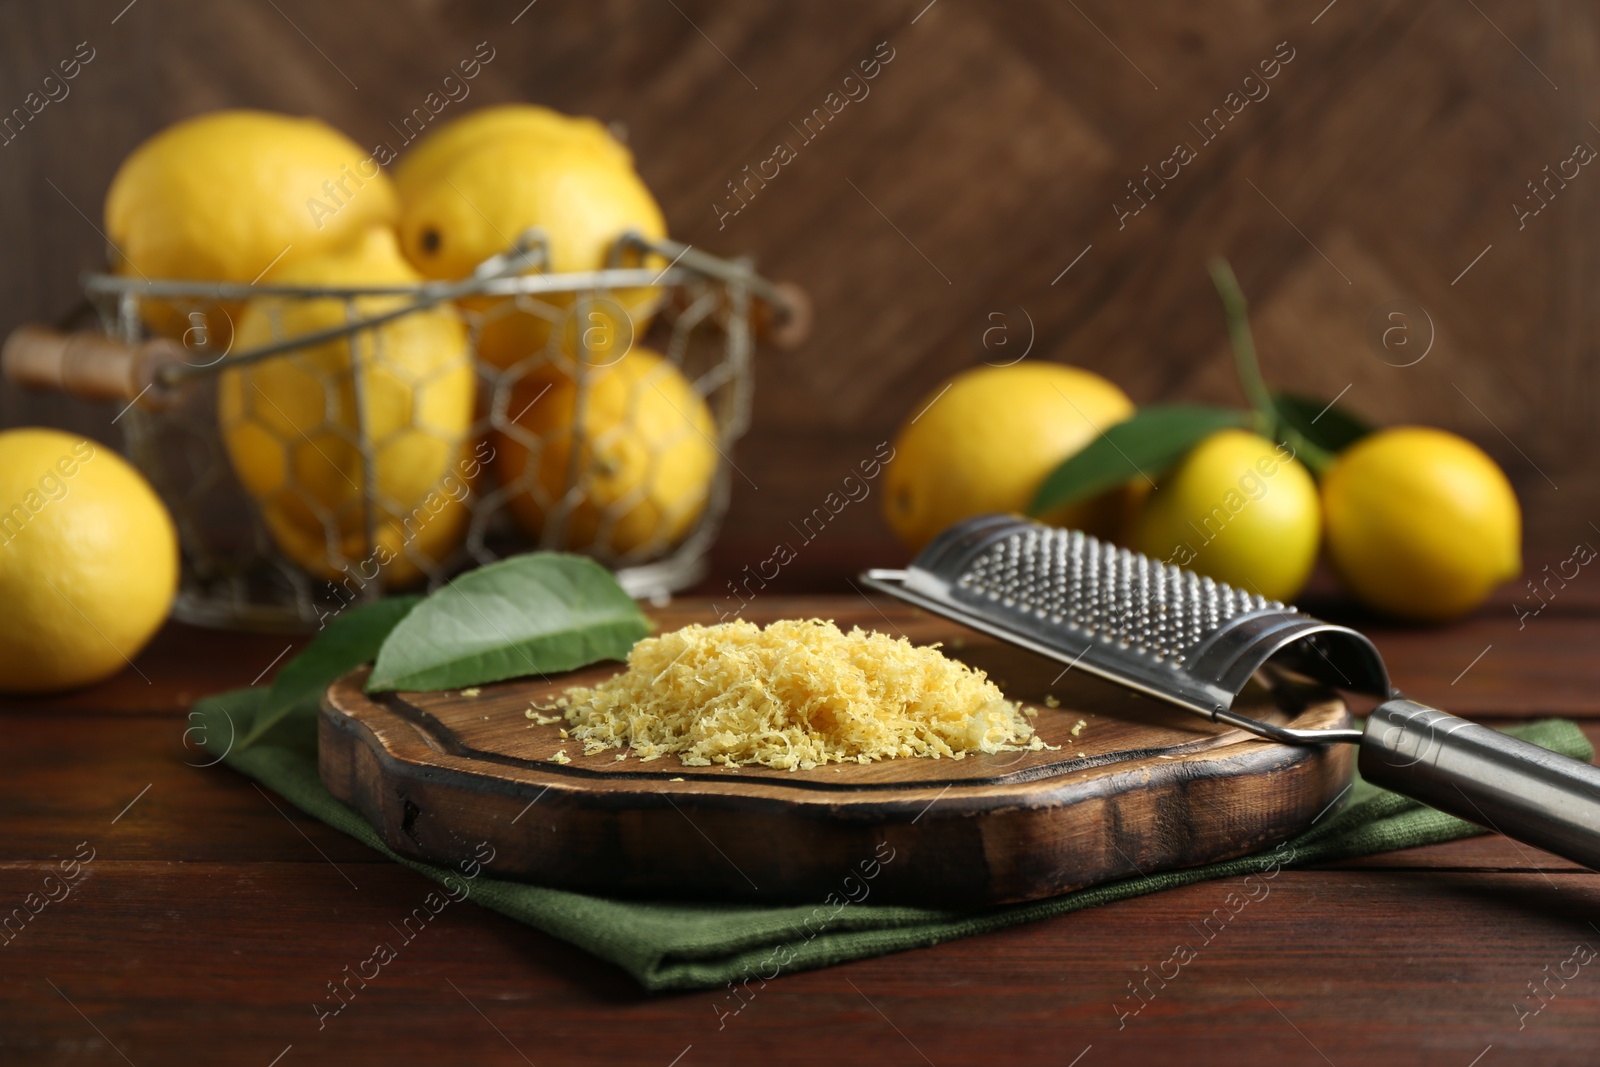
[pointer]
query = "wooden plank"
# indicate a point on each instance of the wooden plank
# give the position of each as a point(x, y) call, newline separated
point(222, 963)
point(1485, 666)
point(180, 665)
point(1487, 852)
point(132, 787)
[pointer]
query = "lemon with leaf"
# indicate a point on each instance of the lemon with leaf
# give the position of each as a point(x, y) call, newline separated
point(1238, 508)
point(984, 441)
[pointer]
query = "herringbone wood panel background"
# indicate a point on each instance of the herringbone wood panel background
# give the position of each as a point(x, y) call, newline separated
point(1386, 156)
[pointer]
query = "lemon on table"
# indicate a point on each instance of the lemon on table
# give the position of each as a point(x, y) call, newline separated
point(225, 195)
point(645, 456)
point(985, 440)
point(1421, 524)
point(478, 203)
point(1237, 508)
point(435, 152)
point(293, 424)
point(88, 561)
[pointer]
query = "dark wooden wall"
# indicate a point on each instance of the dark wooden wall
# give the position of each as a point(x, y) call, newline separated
point(1386, 157)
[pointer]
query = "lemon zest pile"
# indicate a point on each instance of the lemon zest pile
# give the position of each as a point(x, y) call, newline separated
point(795, 695)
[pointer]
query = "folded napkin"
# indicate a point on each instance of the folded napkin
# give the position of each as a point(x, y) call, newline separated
point(676, 945)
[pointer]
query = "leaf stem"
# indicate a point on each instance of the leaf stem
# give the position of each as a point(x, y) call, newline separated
point(1236, 312)
point(1269, 421)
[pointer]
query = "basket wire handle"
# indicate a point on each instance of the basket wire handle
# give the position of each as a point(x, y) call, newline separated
point(528, 251)
point(93, 366)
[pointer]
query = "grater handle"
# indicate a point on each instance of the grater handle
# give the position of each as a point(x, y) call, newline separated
point(1512, 787)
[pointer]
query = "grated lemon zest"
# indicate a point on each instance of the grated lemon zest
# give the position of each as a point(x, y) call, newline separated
point(795, 695)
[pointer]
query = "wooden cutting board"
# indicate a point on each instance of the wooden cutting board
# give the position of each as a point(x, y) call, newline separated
point(1137, 787)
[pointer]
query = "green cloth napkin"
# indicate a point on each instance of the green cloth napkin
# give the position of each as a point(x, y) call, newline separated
point(675, 945)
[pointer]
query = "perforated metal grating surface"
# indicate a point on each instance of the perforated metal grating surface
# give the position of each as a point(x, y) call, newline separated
point(1069, 579)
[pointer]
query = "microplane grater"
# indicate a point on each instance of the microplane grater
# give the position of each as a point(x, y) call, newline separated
point(1195, 642)
point(1171, 633)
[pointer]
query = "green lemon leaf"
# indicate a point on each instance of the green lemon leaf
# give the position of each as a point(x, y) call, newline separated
point(1325, 425)
point(1145, 445)
point(531, 614)
point(351, 639)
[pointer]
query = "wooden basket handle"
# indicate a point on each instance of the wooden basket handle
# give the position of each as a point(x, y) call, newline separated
point(88, 365)
point(786, 326)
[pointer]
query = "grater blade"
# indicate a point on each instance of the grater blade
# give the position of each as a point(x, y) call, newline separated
point(1167, 632)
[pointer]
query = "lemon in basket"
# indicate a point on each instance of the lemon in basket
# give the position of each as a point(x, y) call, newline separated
point(294, 425)
point(228, 194)
point(476, 204)
point(88, 561)
point(644, 461)
point(434, 153)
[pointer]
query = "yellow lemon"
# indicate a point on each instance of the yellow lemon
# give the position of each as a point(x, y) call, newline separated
point(294, 424)
point(406, 549)
point(986, 439)
point(1239, 509)
point(1421, 523)
point(478, 203)
point(228, 194)
point(645, 454)
point(423, 162)
point(88, 561)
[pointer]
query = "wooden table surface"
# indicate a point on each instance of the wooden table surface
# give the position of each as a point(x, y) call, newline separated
point(213, 914)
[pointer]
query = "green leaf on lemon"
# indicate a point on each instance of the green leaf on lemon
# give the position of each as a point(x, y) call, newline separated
point(1145, 445)
point(1325, 425)
point(531, 614)
point(351, 639)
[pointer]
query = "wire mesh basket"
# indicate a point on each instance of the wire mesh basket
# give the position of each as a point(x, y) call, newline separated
point(322, 445)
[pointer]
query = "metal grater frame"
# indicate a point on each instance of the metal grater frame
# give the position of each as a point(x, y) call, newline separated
point(1164, 631)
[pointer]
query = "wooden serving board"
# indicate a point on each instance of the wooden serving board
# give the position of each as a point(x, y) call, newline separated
point(1142, 787)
